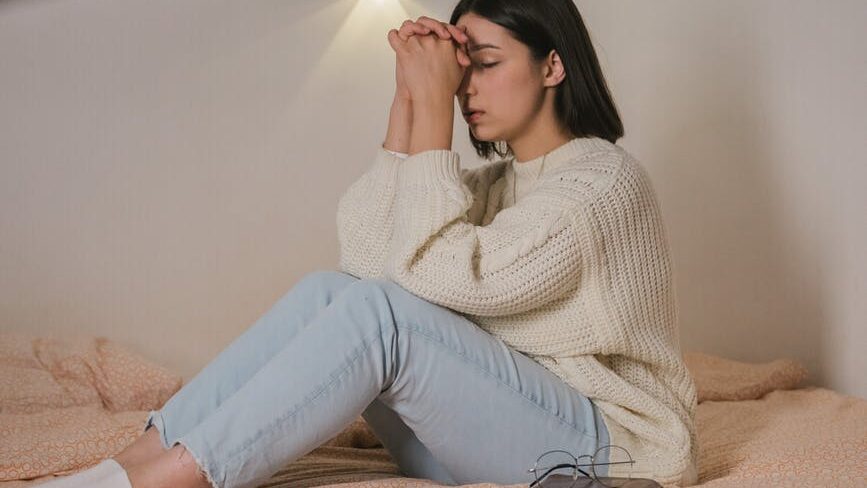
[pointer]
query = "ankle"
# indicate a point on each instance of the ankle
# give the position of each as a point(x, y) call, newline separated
point(146, 448)
point(174, 467)
point(193, 474)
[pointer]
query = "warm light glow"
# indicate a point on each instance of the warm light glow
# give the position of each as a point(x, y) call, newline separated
point(360, 46)
point(380, 3)
point(369, 18)
point(364, 28)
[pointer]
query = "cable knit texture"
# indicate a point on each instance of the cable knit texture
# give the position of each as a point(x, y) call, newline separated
point(564, 257)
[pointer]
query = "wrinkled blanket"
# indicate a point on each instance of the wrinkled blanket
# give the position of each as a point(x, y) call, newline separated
point(65, 404)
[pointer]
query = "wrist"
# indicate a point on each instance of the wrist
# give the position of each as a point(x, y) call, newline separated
point(401, 111)
point(399, 126)
point(401, 101)
point(433, 101)
point(432, 125)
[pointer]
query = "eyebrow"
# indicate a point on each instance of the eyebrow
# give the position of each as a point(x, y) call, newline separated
point(479, 47)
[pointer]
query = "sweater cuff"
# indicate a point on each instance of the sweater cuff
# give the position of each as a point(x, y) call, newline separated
point(430, 168)
point(398, 154)
point(383, 154)
point(385, 165)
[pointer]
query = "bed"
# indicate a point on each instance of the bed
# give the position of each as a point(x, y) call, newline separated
point(67, 403)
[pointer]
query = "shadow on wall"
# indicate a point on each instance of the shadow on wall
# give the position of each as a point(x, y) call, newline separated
point(199, 33)
point(745, 291)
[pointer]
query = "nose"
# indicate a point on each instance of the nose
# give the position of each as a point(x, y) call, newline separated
point(467, 87)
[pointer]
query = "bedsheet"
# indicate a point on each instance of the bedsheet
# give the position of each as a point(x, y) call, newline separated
point(67, 403)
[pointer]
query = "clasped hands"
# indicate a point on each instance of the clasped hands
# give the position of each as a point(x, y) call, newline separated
point(429, 67)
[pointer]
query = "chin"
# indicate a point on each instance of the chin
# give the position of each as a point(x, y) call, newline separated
point(484, 136)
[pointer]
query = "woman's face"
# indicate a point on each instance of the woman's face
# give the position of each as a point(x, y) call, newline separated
point(503, 82)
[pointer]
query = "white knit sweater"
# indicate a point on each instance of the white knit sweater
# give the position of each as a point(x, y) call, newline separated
point(564, 257)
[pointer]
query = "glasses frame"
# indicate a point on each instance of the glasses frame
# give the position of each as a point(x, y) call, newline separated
point(539, 479)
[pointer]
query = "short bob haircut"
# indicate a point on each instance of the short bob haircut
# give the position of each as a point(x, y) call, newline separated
point(582, 101)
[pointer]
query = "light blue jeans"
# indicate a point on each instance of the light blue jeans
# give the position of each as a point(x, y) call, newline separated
point(449, 402)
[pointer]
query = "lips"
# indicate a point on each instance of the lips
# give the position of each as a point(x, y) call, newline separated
point(472, 115)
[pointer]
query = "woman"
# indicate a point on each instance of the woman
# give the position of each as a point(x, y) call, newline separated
point(481, 317)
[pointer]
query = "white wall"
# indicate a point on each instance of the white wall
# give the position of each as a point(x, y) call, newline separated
point(169, 169)
point(751, 117)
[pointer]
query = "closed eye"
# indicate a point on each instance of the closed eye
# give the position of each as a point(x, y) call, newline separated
point(488, 65)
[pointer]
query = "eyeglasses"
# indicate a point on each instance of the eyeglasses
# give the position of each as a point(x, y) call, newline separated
point(560, 469)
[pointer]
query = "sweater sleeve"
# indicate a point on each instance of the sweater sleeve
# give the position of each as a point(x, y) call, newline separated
point(527, 256)
point(365, 217)
point(366, 211)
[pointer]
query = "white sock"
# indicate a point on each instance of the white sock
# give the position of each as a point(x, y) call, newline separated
point(107, 474)
point(117, 478)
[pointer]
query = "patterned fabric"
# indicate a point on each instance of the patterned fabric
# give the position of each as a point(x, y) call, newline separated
point(66, 404)
point(719, 378)
point(565, 258)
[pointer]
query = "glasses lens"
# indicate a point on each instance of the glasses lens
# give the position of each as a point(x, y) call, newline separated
point(612, 466)
point(556, 469)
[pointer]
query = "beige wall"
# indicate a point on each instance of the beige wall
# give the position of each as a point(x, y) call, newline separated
point(169, 169)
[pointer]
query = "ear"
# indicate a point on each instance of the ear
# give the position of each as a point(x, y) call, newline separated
point(553, 70)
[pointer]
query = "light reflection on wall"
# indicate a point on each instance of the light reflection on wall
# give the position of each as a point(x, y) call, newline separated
point(362, 33)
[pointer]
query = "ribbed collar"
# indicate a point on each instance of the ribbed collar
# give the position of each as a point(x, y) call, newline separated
point(523, 176)
point(573, 149)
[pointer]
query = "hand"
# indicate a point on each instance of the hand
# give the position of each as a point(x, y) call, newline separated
point(426, 25)
point(423, 27)
point(407, 29)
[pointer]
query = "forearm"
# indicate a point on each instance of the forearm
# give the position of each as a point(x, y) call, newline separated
point(399, 126)
point(432, 124)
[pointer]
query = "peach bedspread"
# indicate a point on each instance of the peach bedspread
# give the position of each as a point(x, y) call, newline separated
point(67, 403)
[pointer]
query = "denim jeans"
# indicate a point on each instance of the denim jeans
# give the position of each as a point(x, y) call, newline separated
point(450, 402)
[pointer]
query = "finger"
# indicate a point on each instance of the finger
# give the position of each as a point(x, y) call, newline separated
point(395, 41)
point(420, 28)
point(464, 31)
point(463, 59)
point(409, 31)
point(403, 32)
point(435, 26)
point(409, 24)
point(457, 34)
point(409, 28)
point(413, 45)
point(391, 41)
point(461, 55)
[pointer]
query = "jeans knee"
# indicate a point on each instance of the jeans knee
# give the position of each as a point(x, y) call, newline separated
point(385, 293)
